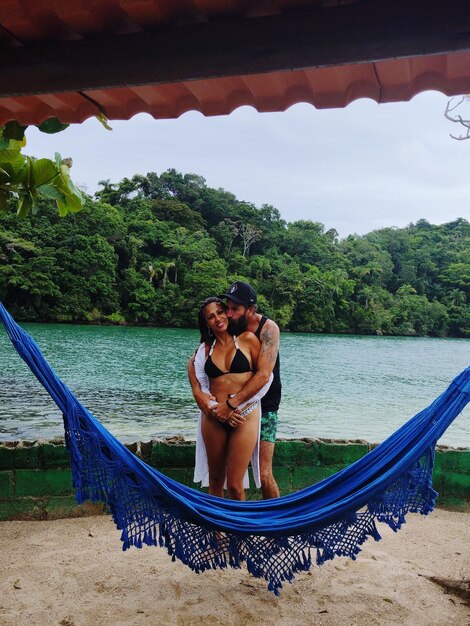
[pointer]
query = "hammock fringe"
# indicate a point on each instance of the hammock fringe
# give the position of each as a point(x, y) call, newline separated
point(145, 520)
point(274, 539)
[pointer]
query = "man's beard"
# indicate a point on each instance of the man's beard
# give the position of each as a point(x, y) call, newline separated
point(237, 327)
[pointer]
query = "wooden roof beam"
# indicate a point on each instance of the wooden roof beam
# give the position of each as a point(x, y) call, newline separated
point(364, 31)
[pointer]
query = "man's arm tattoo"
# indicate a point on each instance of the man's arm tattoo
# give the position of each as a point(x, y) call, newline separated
point(269, 345)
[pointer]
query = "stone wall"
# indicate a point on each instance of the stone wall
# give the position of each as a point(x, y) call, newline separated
point(35, 478)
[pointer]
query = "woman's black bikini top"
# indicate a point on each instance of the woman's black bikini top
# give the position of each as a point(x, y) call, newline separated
point(239, 364)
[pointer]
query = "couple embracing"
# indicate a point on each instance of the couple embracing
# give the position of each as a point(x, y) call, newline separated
point(235, 381)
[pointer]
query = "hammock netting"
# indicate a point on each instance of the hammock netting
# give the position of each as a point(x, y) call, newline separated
point(273, 538)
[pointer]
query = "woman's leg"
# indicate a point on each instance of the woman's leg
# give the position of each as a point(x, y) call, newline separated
point(241, 445)
point(215, 437)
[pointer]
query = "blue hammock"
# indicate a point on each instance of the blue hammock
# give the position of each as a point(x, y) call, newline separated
point(274, 538)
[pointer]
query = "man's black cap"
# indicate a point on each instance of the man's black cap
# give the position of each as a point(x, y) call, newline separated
point(241, 293)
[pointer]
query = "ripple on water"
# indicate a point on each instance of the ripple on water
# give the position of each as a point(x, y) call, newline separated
point(134, 381)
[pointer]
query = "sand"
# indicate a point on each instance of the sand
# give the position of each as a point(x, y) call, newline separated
point(72, 572)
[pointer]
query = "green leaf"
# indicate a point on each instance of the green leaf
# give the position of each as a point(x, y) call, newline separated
point(65, 177)
point(44, 170)
point(4, 176)
point(23, 177)
point(49, 190)
point(61, 187)
point(75, 190)
point(24, 206)
point(52, 126)
point(102, 119)
point(73, 198)
point(12, 161)
point(12, 130)
point(3, 201)
point(11, 144)
point(64, 170)
point(72, 204)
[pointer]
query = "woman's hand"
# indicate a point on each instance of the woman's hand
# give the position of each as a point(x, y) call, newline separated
point(235, 419)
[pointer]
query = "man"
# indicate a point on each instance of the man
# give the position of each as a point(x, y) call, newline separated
point(242, 315)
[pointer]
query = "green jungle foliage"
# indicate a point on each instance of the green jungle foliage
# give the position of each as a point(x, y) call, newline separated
point(25, 179)
point(149, 249)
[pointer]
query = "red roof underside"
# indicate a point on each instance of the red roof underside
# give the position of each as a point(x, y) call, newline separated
point(24, 23)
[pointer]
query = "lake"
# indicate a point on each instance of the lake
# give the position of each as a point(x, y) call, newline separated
point(134, 381)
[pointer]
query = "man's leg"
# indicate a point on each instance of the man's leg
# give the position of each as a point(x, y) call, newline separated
point(269, 486)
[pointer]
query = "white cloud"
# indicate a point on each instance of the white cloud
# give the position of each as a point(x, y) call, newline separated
point(354, 169)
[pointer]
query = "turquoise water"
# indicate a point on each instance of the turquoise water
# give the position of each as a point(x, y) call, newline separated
point(134, 381)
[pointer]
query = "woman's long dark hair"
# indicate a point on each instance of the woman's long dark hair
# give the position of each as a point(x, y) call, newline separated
point(206, 334)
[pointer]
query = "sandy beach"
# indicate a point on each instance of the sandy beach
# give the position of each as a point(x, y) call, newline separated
point(72, 572)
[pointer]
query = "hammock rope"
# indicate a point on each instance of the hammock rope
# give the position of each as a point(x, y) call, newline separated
point(274, 538)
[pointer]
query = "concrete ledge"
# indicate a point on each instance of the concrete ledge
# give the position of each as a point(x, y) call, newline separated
point(35, 477)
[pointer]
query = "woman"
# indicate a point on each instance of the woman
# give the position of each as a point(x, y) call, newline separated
point(228, 362)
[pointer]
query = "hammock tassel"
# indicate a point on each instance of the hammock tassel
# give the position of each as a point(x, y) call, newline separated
point(274, 538)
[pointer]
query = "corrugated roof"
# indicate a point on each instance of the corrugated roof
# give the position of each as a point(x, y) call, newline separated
point(26, 23)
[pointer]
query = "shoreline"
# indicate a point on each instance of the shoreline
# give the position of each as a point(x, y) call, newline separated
point(181, 439)
point(128, 324)
point(36, 478)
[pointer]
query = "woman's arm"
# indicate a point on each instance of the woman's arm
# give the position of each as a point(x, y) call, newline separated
point(199, 381)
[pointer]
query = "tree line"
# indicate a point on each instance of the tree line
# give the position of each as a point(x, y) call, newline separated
point(149, 249)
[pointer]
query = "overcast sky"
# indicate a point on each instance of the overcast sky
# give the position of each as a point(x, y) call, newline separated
point(355, 169)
